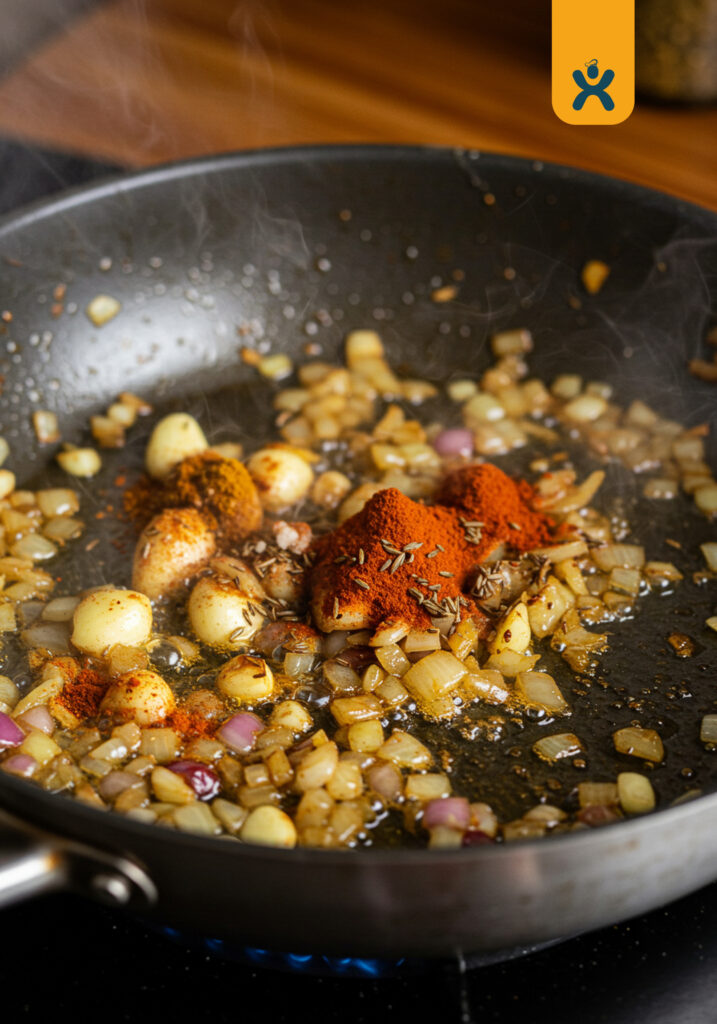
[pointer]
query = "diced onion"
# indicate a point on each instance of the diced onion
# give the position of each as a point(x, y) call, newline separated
point(540, 689)
point(57, 501)
point(102, 309)
point(240, 731)
point(635, 793)
point(557, 747)
point(597, 794)
point(7, 483)
point(34, 547)
point(706, 499)
point(37, 718)
point(20, 764)
point(454, 442)
point(637, 742)
point(708, 729)
point(709, 550)
point(49, 636)
point(612, 556)
point(11, 735)
point(450, 812)
point(80, 461)
point(434, 676)
point(46, 427)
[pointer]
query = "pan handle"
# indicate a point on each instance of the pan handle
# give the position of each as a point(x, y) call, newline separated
point(33, 862)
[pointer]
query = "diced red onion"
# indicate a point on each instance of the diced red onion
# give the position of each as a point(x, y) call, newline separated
point(451, 812)
point(454, 442)
point(115, 783)
point(20, 764)
point(474, 837)
point(240, 731)
point(203, 780)
point(38, 718)
point(11, 735)
point(386, 780)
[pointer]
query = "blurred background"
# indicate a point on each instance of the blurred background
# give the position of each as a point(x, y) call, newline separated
point(136, 82)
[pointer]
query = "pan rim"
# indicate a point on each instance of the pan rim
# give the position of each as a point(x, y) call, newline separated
point(135, 179)
point(123, 183)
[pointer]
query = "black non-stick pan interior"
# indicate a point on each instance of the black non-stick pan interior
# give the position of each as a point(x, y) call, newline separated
point(287, 251)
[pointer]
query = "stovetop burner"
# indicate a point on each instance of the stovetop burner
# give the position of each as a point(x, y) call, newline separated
point(346, 967)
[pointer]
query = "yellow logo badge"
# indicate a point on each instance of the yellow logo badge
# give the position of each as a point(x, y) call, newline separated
point(593, 60)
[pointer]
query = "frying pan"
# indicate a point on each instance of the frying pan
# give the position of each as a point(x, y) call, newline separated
point(285, 248)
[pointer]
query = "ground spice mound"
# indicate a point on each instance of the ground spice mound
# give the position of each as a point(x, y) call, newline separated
point(484, 494)
point(83, 695)
point(220, 488)
point(371, 568)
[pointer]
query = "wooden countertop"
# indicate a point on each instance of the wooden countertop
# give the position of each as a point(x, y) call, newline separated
point(141, 83)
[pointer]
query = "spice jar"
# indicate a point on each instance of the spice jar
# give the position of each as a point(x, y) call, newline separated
point(676, 49)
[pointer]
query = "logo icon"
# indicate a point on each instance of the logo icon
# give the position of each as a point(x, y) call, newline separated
point(593, 58)
point(599, 89)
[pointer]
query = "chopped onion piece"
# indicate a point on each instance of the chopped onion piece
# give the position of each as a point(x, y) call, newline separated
point(275, 367)
point(434, 676)
point(706, 499)
point(661, 572)
point(57, 501)
point(597, 794)
point(709, 550)
point(708, 729)
point(513, 342)
point(80, 461)
point(578, 497)
point(11, 735)
point(62, 528)
point(20, 764)
point(612, 556)
point(341, 678)
point(637, 742)
point(540, 690)
point(102, 309)
point(635, 793)
point(405, 751)
point(450, 812)
point(557, 747)
point(389, 633)
point(34, 547)
point(60, 609)
point(428, 786)
point(37, 718)
point(196, 817)
point(240, 731)
point(594, 275)
point(661, 488)
point(49, 636)
point(585, 408)
point(46, 427)
point(296, 665)
point(712, 622)
point(561, 552)
point(8, 623)
point(454, 442)
point(386, 780)
point(7, 483)
point(567, 386)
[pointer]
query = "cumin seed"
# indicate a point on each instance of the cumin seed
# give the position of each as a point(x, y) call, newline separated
point(361, 583)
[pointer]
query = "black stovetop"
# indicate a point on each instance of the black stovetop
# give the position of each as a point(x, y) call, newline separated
point(60, 953)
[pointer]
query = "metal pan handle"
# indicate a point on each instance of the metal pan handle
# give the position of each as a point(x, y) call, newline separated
point(33, 862)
